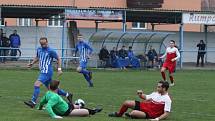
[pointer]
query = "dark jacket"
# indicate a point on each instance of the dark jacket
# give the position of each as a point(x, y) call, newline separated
point(5, 42)
point(103, 54)
point(123, 53)
point(201, 48)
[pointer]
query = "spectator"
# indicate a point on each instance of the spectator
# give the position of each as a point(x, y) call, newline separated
point(123, 53)
point(201, 52)
point(130, 52)
point(134, 61)
point(143, 60)
point(15, 43)
point(113, 57)
point(152, 55)
point(123, 58)
point(6, 45)
point(104, 56)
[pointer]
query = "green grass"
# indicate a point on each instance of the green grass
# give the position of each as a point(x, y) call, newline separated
point(193, 94)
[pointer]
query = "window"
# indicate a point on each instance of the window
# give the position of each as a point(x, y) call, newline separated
point(24, 22)
point(2, 23)
point(139, 25)
point(55, 22)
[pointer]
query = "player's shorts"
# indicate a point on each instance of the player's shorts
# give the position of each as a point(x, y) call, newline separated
point(83, 64)
point(137, 107)
point(71, 107)
point(169, 66)
point(45, 78)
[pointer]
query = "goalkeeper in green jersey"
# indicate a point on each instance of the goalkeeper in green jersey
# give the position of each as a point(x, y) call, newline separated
point(57, 107)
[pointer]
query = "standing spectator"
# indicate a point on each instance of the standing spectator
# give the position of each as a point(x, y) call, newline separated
point(6, 45)
point(201, 53)
point(104, 56)
point(15, 43)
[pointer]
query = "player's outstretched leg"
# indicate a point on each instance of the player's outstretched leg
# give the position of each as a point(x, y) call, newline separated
point(127, 104)
point(35, 95)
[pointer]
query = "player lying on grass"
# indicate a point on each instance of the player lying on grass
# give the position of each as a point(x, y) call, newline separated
point(57, 107)
point(155, 106)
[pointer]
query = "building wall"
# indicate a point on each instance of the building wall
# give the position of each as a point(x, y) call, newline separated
point(168, 4)
point(38, 2)
point(180, 5)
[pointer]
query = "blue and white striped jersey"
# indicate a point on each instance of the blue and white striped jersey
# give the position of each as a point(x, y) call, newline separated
point(84, 49)
point(46, 56)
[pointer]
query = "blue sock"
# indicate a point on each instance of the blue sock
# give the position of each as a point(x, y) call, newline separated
point(86, 76)
point(84, 71)
point(62, 92)
point(35, 94)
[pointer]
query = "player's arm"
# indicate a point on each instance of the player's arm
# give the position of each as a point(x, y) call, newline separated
point(164, 55)
point(43, 101)
point(177, 55)
point(141, 94)
point(35, 60)
point(90, 48)
point(167, 108)
point(55, 55)
point(51, 103)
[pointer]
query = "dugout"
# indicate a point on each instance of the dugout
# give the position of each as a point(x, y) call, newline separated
point(139, 41)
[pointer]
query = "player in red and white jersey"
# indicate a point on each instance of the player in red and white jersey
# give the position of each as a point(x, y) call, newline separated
point(155, 106)
point(171, 54)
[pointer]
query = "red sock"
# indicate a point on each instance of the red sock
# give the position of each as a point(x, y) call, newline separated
point(163, 75)
point(123, 109)
point(171, 79)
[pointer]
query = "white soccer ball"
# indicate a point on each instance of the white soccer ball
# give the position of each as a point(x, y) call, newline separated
point(80, 103)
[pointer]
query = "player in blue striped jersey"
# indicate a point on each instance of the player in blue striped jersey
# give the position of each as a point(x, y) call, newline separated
point(45, 56)
point(84, 52)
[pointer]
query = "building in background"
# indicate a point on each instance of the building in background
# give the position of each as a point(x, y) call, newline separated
point(161, 4)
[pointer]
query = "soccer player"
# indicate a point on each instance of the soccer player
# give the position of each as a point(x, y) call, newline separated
point(171, 54)
point(155, 106)
point(84, 52)
point(45, 56)
point(57, 107)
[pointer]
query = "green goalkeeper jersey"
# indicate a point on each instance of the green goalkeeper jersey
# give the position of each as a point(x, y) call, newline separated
point(55, 105)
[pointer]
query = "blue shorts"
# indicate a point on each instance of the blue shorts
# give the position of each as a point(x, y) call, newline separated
point(83, 64)
point(45, 78)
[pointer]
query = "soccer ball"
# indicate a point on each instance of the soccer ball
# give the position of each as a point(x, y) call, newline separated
point(80, 103)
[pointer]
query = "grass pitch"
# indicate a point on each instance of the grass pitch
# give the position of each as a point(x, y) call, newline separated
point(193, 95)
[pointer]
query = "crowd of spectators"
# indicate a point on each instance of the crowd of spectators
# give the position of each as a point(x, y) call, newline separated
point(126, 58)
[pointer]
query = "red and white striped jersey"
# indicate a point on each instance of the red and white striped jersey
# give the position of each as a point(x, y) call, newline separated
point(171, 53)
